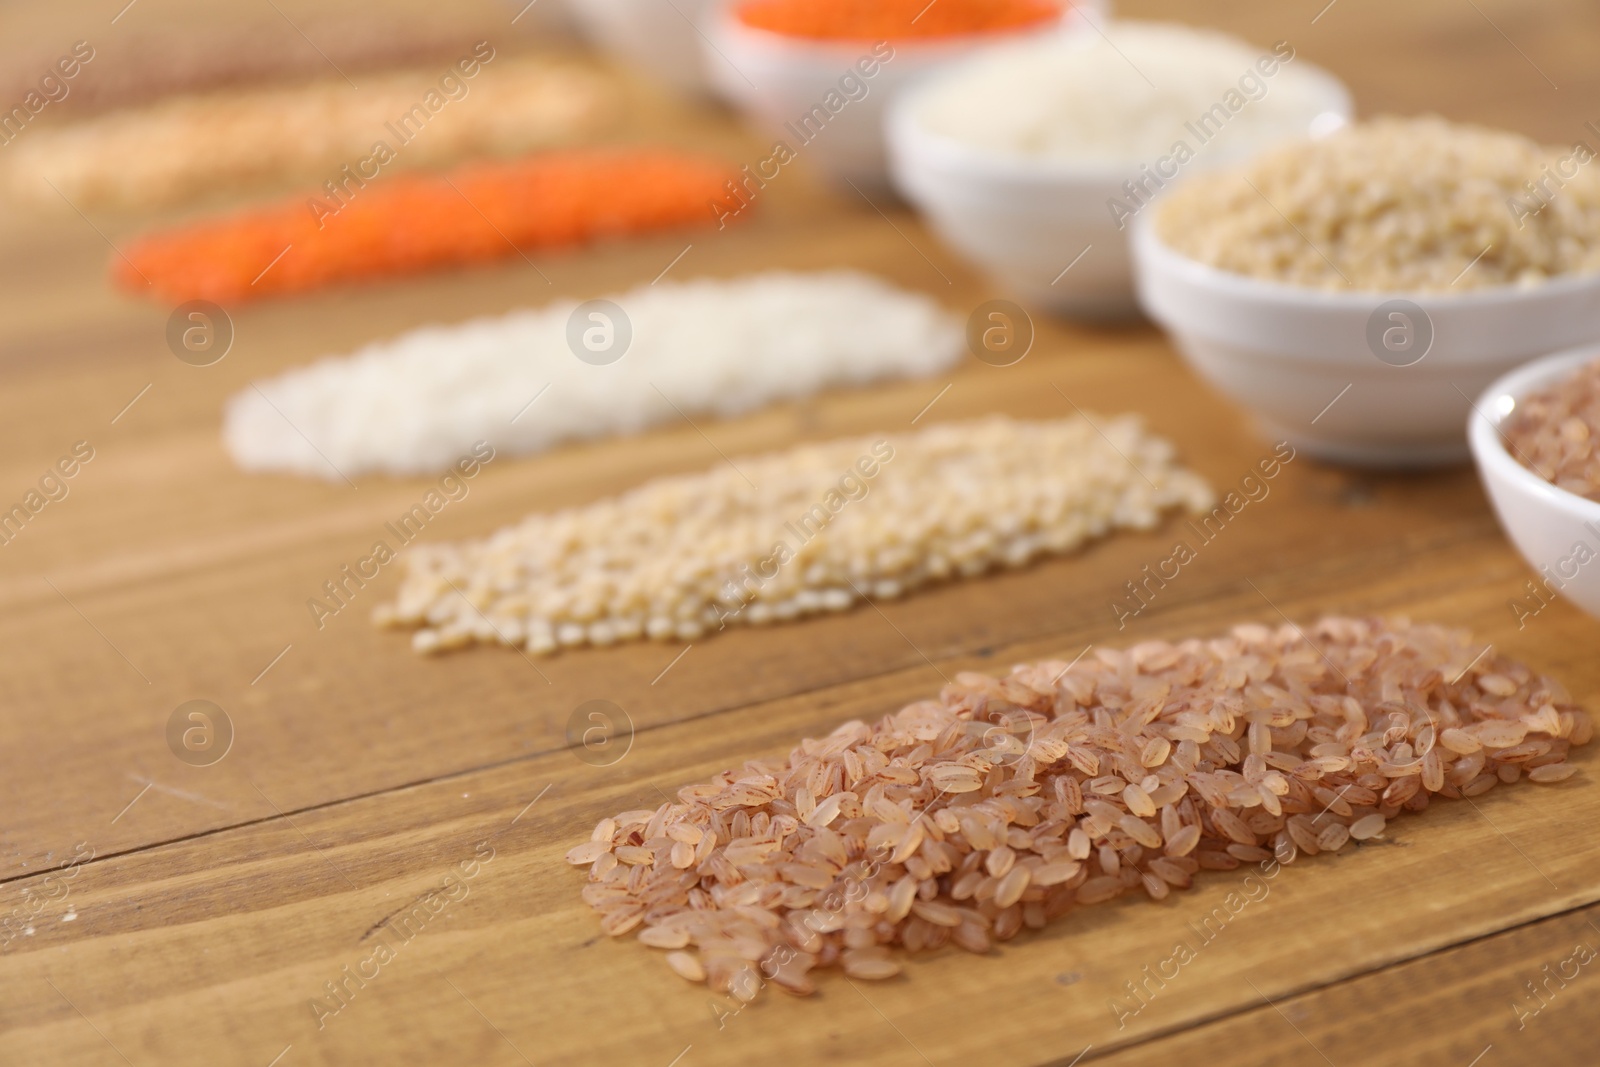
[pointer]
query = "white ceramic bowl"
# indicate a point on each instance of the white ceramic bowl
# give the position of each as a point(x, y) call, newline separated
point(662, 39)
point(1026, 221)
point(1305, 361)
point(543, 17)
point(777, 80)
point(1548, 525)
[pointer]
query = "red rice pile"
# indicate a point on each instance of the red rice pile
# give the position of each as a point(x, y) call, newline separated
point(1009, 802)
point(1556, 432)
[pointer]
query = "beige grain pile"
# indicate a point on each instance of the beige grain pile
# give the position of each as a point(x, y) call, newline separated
point(153, 62)
point(1555, 432)
point(1009, 802)
point(199, 145)
point(1396, 205)
point(817, 528)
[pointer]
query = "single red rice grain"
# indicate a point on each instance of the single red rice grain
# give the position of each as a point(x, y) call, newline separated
point(688, 965)
point(1368, 826)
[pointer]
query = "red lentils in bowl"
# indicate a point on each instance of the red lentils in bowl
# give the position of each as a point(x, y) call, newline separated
point(895, 20)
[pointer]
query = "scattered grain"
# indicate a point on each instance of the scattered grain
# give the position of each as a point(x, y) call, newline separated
point(1367, 827)
point(688, 965)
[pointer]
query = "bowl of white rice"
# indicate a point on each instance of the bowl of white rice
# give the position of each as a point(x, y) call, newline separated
point(1032, 159)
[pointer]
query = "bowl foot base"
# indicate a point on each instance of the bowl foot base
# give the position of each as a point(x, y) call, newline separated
point(1111, 308)
point(1377, 456)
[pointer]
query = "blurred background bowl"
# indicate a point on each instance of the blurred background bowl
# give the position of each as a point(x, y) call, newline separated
point(777, 79)
point(1023, 223)
point(661, 38)
point(1025, 219)
point(1545, 522)
point(549, 19)
point(1371, 379)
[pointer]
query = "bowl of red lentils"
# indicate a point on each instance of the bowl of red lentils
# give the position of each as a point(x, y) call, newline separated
point(1535, 434)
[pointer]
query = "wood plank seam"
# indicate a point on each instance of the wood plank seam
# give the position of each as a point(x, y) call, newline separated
point(949, 658)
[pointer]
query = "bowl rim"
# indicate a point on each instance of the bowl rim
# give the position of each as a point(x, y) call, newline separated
point(1151, 250)
point(1489, 448)
point(905, 130)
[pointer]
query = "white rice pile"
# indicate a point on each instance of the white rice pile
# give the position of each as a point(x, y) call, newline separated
point(1126, 97)
point(417, 403)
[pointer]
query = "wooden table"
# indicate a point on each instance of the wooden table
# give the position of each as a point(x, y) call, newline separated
point(219, 901)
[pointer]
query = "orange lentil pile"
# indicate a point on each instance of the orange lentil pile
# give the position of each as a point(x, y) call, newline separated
point(894, 19)
point(405, 224)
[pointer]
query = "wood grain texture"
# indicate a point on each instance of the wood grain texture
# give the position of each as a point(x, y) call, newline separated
point(220, 902)
point(1522, 996)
